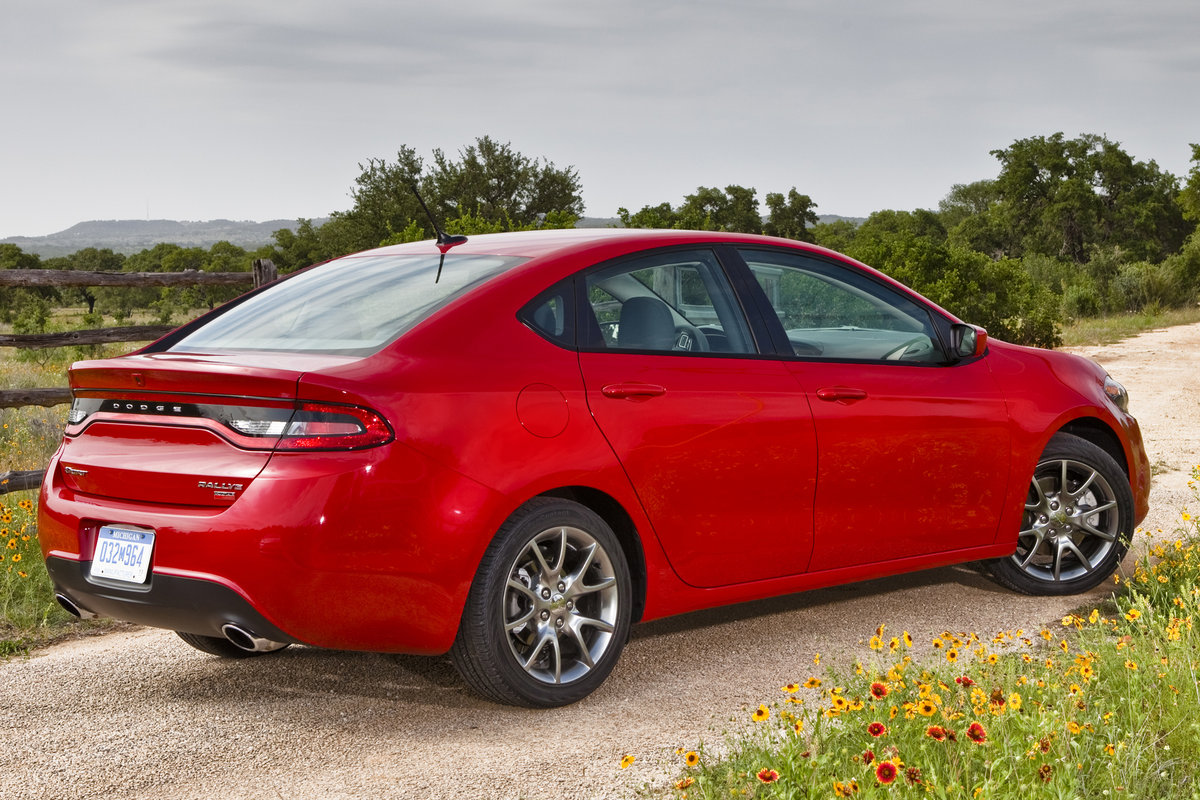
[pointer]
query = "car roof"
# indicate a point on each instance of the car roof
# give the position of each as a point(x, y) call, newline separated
point(532, 244)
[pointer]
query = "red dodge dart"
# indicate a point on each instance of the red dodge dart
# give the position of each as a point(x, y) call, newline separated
point(514, 447)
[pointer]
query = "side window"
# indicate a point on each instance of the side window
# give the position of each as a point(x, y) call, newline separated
point(674, 302)
point(550, 314)
point(833, 312)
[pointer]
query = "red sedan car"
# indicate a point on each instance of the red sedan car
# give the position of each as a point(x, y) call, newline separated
point(514, 450)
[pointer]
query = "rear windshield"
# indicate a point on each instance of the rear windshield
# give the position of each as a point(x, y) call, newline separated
point(351, 306)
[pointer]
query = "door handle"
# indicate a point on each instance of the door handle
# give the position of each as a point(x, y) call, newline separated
point(836, 393)
point(630, 391)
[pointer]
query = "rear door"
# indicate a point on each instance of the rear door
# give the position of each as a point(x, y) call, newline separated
point(716, 440)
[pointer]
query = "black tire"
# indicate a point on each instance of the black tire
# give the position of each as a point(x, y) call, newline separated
point(549, 610)
point(219, 646)
point(1077, 525)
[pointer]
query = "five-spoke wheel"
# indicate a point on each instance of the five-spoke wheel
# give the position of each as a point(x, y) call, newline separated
point(1076, 525)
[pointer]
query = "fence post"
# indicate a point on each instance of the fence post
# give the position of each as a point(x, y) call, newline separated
point(264, 272)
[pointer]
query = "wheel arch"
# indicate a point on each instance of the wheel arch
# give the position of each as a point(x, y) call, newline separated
point(613, 513)
point(1100, 434)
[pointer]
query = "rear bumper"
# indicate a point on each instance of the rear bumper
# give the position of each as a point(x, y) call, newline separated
point(181, 604)
point(353, 551)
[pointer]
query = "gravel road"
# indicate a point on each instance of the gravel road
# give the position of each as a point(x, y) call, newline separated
point(139, 714)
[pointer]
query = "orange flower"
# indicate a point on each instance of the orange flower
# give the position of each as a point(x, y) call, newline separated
point(768, 775)
point(976, 733)
point(685, 783)
point(885, 773)
point(879, 690)
point(936, 732)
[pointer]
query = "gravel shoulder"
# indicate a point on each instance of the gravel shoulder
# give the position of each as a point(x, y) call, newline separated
point(139, 714)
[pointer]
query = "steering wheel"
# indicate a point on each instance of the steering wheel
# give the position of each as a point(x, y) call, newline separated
point(911, 350)
point(689, 338)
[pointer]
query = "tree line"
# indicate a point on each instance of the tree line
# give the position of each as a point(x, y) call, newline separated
point(1068, 228)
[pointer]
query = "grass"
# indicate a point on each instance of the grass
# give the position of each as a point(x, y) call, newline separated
point(1106, 330)
point(1101, 706)
point(29, 616)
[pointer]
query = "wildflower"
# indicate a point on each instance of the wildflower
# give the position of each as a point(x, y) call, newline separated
point(936, 732)
point(879, 690)
point(16, 557)
point(894, 644)
point(626, 761)
point(761, 713)
point(1074, 728)
point(1014, 701)
point(691, 758)
point(976, 733)
point(952, 655)
point(907, 639)
point(877, 729)
point(926, 708)
point(22, 573)
point(1094, 616)
point(817, 659)
point(791, 688)
point(798, 726)
point(768, 775)
point(885, 773)
point(1110, 749)
point(812, 683)
point(912, 775)
point(876, 643)
point(1047, 635)
point(964, 681)
point(868, 756)
point(27, 505)
point(1131, 665)
point(685, 783)
point(1133, 615)
point(938, 644)
point(1044, 772)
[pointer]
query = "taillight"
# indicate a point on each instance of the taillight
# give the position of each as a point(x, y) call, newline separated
point(254, 424)
point(315, 426)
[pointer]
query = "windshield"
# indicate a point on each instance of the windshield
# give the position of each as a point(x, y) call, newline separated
point(351, 306)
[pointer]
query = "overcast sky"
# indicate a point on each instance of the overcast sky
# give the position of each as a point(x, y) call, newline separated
point(254, 110)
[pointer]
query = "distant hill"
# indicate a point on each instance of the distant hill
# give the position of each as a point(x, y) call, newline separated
point(131, 236)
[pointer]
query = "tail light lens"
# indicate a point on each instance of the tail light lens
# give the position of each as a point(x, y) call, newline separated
point(315, 426)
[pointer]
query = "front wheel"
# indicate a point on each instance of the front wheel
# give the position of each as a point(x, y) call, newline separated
point(549, 610)
point(1077, 522)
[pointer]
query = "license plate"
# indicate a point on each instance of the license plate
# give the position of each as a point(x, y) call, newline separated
point(123, 554)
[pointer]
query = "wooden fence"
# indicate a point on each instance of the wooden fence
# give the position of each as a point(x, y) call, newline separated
point(14, 481)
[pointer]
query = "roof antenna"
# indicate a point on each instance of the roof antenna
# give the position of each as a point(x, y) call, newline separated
point(444, 240)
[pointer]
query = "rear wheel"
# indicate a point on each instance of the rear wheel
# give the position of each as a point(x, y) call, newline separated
point(549, 610)
point(1077, 524)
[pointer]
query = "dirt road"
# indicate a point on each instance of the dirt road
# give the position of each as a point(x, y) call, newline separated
point(142, 715)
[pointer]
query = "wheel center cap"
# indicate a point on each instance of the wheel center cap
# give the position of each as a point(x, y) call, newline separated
point(557, 603)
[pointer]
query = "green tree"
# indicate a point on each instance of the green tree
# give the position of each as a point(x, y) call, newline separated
point(791, 216)
point(1189, 196)
point(1064, 197)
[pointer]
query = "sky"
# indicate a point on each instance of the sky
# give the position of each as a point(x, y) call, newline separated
point(255, 110)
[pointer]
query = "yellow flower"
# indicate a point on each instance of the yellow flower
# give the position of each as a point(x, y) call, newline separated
point(817, 659)
point(926, 708)
point(894, 644)
point(876, 643)
point(1047, 635)
point(952, 655)
point(761, 713)
point(908, 641)
point(1110, 750)
point(1014, 701)
point(626, 761)
point(691, 758)
point(1074, 728)
point(791, 688)
point(938, 644)
point(812, 683)
point(1133, 615)
point(1131, 665)
point(1094, 616)
point(16, 557)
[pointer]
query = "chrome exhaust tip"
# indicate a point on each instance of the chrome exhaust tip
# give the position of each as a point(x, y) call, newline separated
point(245, 640)
point(74, 610)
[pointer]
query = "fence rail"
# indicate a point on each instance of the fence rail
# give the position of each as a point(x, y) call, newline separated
point(264, 272)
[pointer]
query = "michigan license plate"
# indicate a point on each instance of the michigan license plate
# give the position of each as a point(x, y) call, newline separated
point(123, 554)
